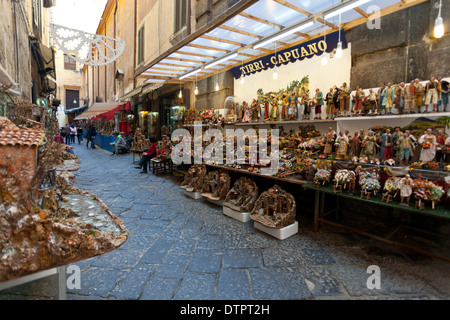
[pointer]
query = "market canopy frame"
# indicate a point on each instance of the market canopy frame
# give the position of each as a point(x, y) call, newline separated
point(243, 34)
point(99, 109)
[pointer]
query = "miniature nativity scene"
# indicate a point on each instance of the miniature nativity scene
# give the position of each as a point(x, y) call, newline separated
point(45, 222)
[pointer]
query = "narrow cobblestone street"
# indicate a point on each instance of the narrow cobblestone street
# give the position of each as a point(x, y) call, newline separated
point(183, 249)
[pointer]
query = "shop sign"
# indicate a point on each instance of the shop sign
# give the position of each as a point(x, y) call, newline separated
point(297, 53)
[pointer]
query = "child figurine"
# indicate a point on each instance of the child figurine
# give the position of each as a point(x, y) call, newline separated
point(406, 190)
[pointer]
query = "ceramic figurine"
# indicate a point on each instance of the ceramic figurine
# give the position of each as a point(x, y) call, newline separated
point(392, 188)
point(406, 189)
point(256, 113)
point(247, 113)
point(275, 209)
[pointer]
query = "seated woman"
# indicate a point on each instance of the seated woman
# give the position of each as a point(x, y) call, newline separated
point(147, 156)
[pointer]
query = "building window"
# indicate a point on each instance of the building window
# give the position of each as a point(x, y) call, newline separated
point(72, 99)
point(69, 63)
point(180, 14)
point(141, 44)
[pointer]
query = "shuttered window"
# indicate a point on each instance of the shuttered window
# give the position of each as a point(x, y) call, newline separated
point(72, 99)
point(180, 14)
point(141, 45)
point(69, 63)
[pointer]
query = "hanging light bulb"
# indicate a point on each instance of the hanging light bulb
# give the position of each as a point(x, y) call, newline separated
point(324, 56)
point(275, 74)
point(196, 90)
point(217, 86)
point(339, 50)
point(180, 95)
point(242, 80)
point(439, 24)
point(339, 45)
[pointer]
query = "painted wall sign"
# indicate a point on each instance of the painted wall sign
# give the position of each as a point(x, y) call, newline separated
point(297, 53)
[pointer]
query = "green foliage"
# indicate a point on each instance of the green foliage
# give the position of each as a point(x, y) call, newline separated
point(444, 121)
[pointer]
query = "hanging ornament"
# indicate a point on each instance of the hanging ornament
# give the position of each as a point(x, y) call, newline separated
point(86, 48)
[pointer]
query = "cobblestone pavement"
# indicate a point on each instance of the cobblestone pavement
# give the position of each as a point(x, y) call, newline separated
point(183, 249)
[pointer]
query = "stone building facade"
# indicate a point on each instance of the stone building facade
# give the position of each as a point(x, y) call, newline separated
point(402, 49)
point(25, 34)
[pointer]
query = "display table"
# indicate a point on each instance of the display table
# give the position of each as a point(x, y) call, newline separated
point(60, 271)
point(291, 180)
point(161, 165)
point(390, 236)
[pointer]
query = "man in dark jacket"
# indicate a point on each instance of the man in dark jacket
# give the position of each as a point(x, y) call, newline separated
point(91, 136)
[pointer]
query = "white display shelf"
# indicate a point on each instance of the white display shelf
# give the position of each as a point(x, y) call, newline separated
point(236, 215)
point(193, 195)
point(280, 234)
point(431, 115)
point(216, 202)
point(268, 123)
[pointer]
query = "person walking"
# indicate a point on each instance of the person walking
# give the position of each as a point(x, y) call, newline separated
point(79, 134)
point(73, 133)
point(92, 135)
point(65, 132)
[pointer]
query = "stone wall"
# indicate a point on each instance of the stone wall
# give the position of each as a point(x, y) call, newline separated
point(208, 97)
point(403, 49)
point(14, 47)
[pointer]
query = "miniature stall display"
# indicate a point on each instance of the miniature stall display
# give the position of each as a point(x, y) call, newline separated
point(275, 209)
point(216, 185)
point(406, 189)
point(242, 196)
point(322, 176)
point(369, 182)
point(392, 188)
point(426, 191)
point(139, 143)
point(323, 172)
point(342, 179)
point(194, 178)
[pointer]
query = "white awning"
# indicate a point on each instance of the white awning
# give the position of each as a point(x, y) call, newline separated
point(99, 108)
point(247, 35)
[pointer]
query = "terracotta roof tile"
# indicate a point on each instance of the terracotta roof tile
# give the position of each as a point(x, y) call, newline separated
point(18, 137)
